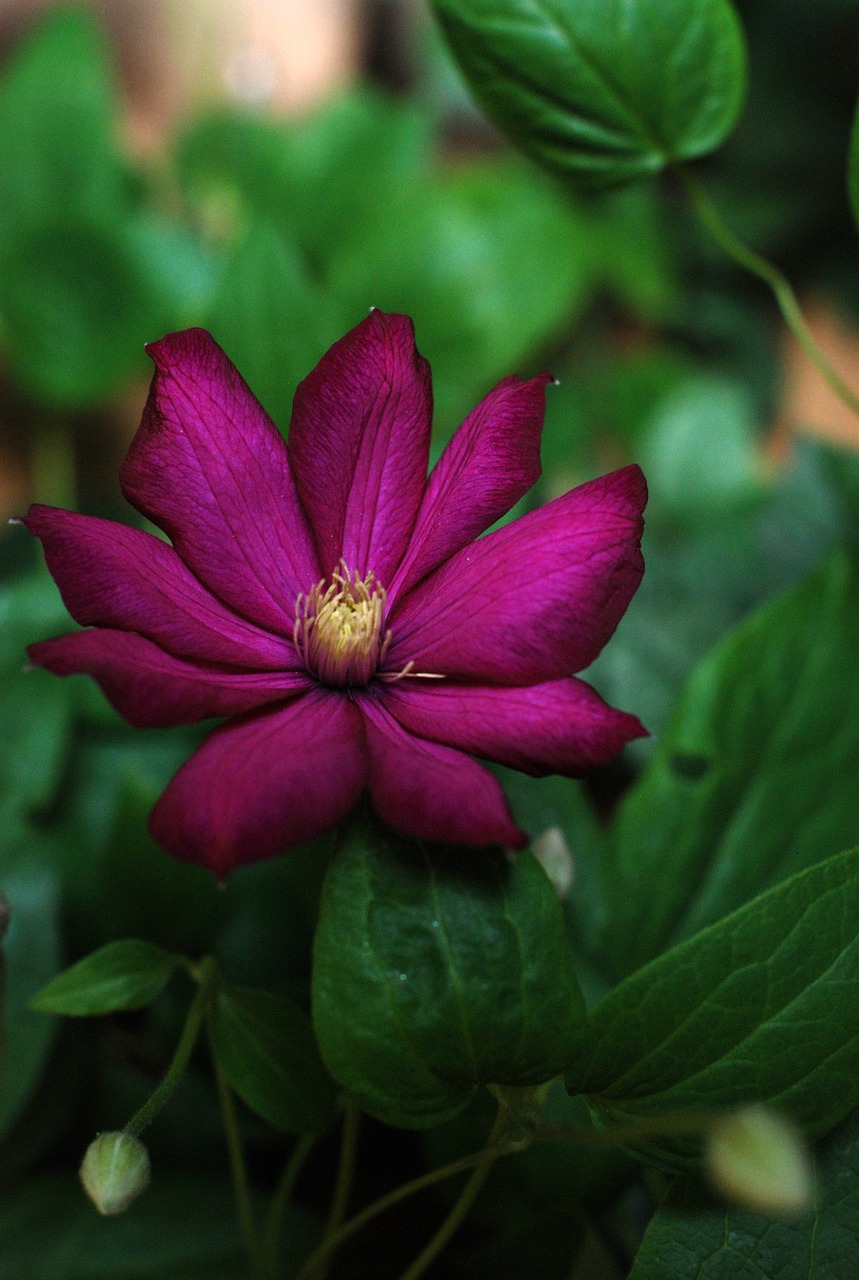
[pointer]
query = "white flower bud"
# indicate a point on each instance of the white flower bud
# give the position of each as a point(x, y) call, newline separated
point(115, 1171)
point(758, 1158)
point(553, 853)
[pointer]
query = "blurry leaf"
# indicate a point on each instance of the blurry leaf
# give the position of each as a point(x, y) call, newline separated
point(184, 1228)
point(628, 242)
point(270, 318)
point(141, 891)
point(265, 1046)
point(438, 969)
point(761, 1007)
point(603, 93)
point(57, 152)
point(309, 178)
point(748, 783)
point(692, 1235)
point(77, 308)
point(504, 262)
point(121, 975)
point(31, 951)
point(36, 719)
point(700, 452)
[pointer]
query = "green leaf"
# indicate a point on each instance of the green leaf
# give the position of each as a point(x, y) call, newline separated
point(603, 91)
point(31, 957)
point(761, 1007)
point(265, 1045)
point(692, 1235)
point(121, 975)
point(435, 970)
point(747, 785)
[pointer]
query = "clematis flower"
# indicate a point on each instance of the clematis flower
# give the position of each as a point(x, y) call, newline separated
point(332, 601)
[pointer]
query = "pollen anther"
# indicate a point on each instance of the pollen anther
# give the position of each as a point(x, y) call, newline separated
point(338, 628)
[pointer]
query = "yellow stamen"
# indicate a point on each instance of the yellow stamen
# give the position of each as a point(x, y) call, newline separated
point(338, 628)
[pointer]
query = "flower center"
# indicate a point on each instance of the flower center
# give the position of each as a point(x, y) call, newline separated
point(338, 628)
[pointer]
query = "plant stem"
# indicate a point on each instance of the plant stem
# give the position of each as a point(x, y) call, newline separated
point(466, 1199)
point(238, 1170)
point(343, 1182)
point(282, 1194)
point(206, 977)
point(771, 276)
point(394, 1197)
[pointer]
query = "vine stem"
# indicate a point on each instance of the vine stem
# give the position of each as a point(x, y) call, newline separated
point(259, 1260)
point(206, 975)
point(784, 295)
point(343, 1182)
point(282, 1194)
point(394, 1197)
point(464, 1202)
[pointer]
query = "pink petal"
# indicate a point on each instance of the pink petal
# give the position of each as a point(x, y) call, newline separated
point(210, 468)
point(359, 444)
point(112, 576)
point(491, 462)
point(431, 791)
point(263, 784)
point(560, 727)
point(537, 599)
point(152, 689)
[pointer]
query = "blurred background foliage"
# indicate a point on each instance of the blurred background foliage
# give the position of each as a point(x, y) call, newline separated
point(275, 211)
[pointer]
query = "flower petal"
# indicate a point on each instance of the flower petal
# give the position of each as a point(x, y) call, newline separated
point(431, 791)
point(491, 462)
point(152, 689)
point(537, 599)
point(359, 444)
point(559, 727)
point(210, 468)
point(263, 784)
point(110, 575)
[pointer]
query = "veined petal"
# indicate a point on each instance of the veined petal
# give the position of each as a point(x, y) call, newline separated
point(110, 575)
point(537, 599)
point(209, 467)
point(491, 462)
point(359, 444)
point(152, 689)
point(431, 791)
point(263, 784)
point(562, 726)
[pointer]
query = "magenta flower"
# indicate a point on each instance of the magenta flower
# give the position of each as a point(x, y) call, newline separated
point(332, 602)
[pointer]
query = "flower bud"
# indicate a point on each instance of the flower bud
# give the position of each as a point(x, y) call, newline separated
point(758, 1158)
point(115, 1171)
point(553, 853)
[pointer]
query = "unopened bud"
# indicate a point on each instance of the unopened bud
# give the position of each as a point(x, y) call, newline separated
point(553, 853)
point(758, 1158)
point(115, 1171)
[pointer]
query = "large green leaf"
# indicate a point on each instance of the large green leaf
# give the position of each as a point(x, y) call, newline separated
point(761, 1007)
point(693, 1236)
point(436, 969)
point(121, 975)
point(265, 1045)
point(751, 781)
point(603, 91)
